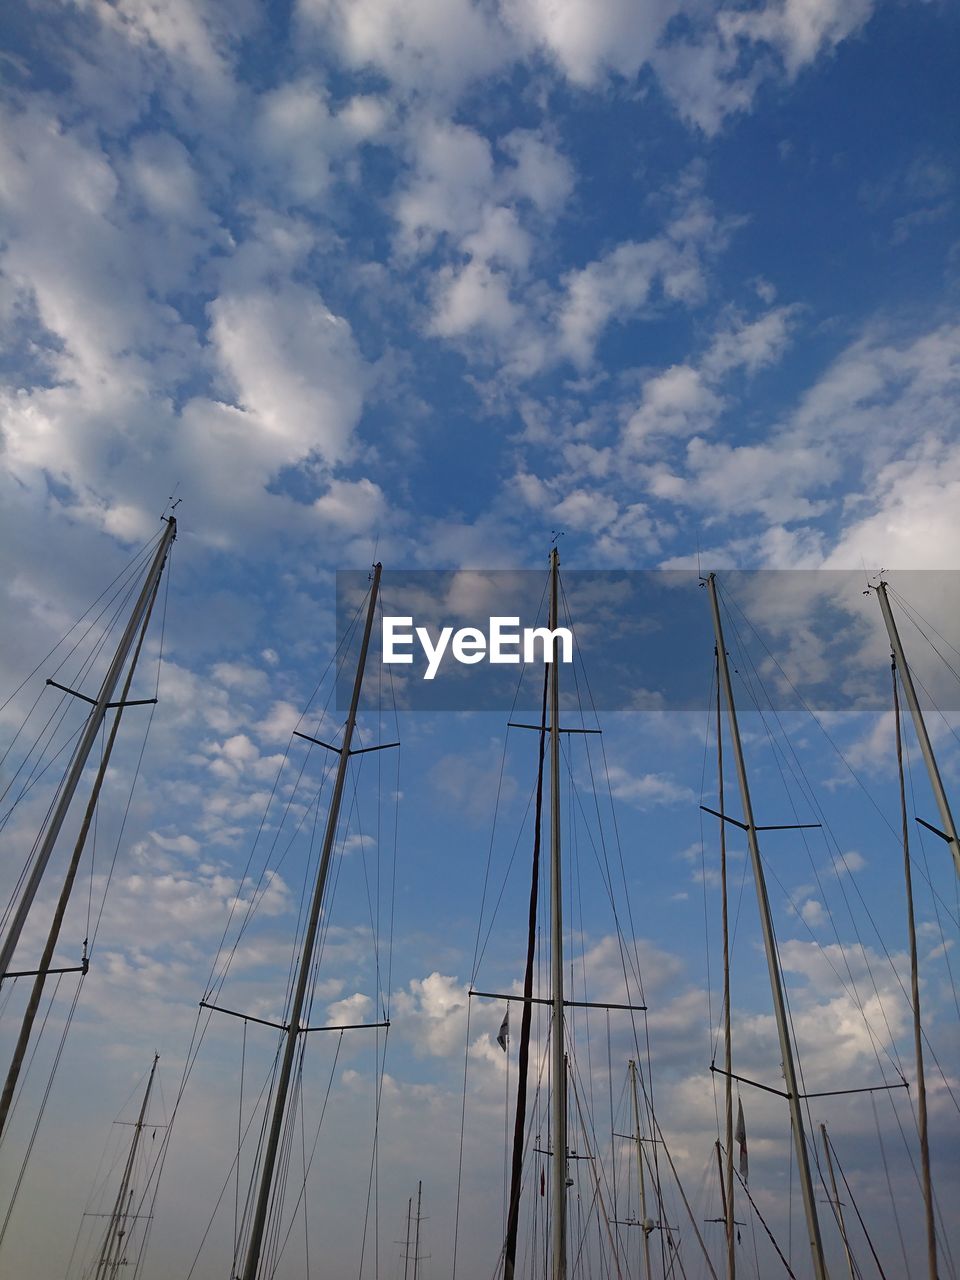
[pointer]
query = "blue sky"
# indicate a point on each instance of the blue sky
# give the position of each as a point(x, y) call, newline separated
point(431, 280)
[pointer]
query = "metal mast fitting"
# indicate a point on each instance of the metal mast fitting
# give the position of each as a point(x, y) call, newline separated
point(82, 750)
point(293, 1028)
point(770, 947)
point(949, 832)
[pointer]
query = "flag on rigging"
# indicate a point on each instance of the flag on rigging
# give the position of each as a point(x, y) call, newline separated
point(741, 1137)
point(504, 1033)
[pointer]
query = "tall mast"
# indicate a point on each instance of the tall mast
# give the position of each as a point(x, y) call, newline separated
point(523, 1057)
point(946, 817)
point(294, 1028)
point(108, 1265)
point(82, 751)
point(836, 1201)
point(727, 1172)
point(416, 1245)
point(559, 1072)
point(406, 1247)
point(915, 1001)
point(53, 935)
point(640, 1177)
point(770, 946)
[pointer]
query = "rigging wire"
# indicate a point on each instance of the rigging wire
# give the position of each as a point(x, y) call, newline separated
point(880, 1003)
point(87, 952)
point(276, 1241)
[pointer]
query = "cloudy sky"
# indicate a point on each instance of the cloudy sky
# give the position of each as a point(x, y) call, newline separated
point(428, 281)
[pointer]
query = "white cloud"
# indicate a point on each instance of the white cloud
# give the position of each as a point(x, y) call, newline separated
point(675, 402)
point(433, 1014)
point(280, 722)
point(670, 267)
point(452, 180)
point(750, 345)
point(300, 138)
point(352, 506)
point(163, 176)
point(770, 479)
point(474, 298)
point(499, 239)
point(540, 174)
point(812, 913)
point(294, 366)
point(715, 67)
point(910, 525)
point(586, 509)
point(615, 286)
point(684, 400)
point(646, 790)
point(590, 38)
point(849, 862)
point(423, 46)
point(709, 70)
point(797, 29)
point(240, 675)
point(349, 1011)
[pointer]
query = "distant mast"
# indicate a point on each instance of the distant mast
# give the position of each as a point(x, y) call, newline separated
point(111, 1255)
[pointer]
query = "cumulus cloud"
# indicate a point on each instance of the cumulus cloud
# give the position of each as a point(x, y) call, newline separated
point(294, 367)
point(646, 790)
point(434, 1012)
point(421, 45)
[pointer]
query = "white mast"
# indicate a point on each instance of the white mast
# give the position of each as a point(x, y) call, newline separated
point(922, 1128)
point(294, 1029)
point(949, 832)
point(66, 889)
point(727, 1169)
point(559, 1072)
point(770, 946)
point(640, 1177)
point(406, 1246)
point(416, 1247)
point(87, 739)
point(108, 1264)
point(837, 1202)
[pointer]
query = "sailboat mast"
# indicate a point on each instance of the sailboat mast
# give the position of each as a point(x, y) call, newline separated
point(108, 1266)
point(926, 749)
point(640, 1177)
point(66, 889)
point(523, 1056)
point(83, 748)
point(915, 1002)
point(727, 1170)
point(406, 1247)
point(294, 1028)
point(416, 1245)
point(836, 1201)
point(559, 1072)
point(770, 947)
